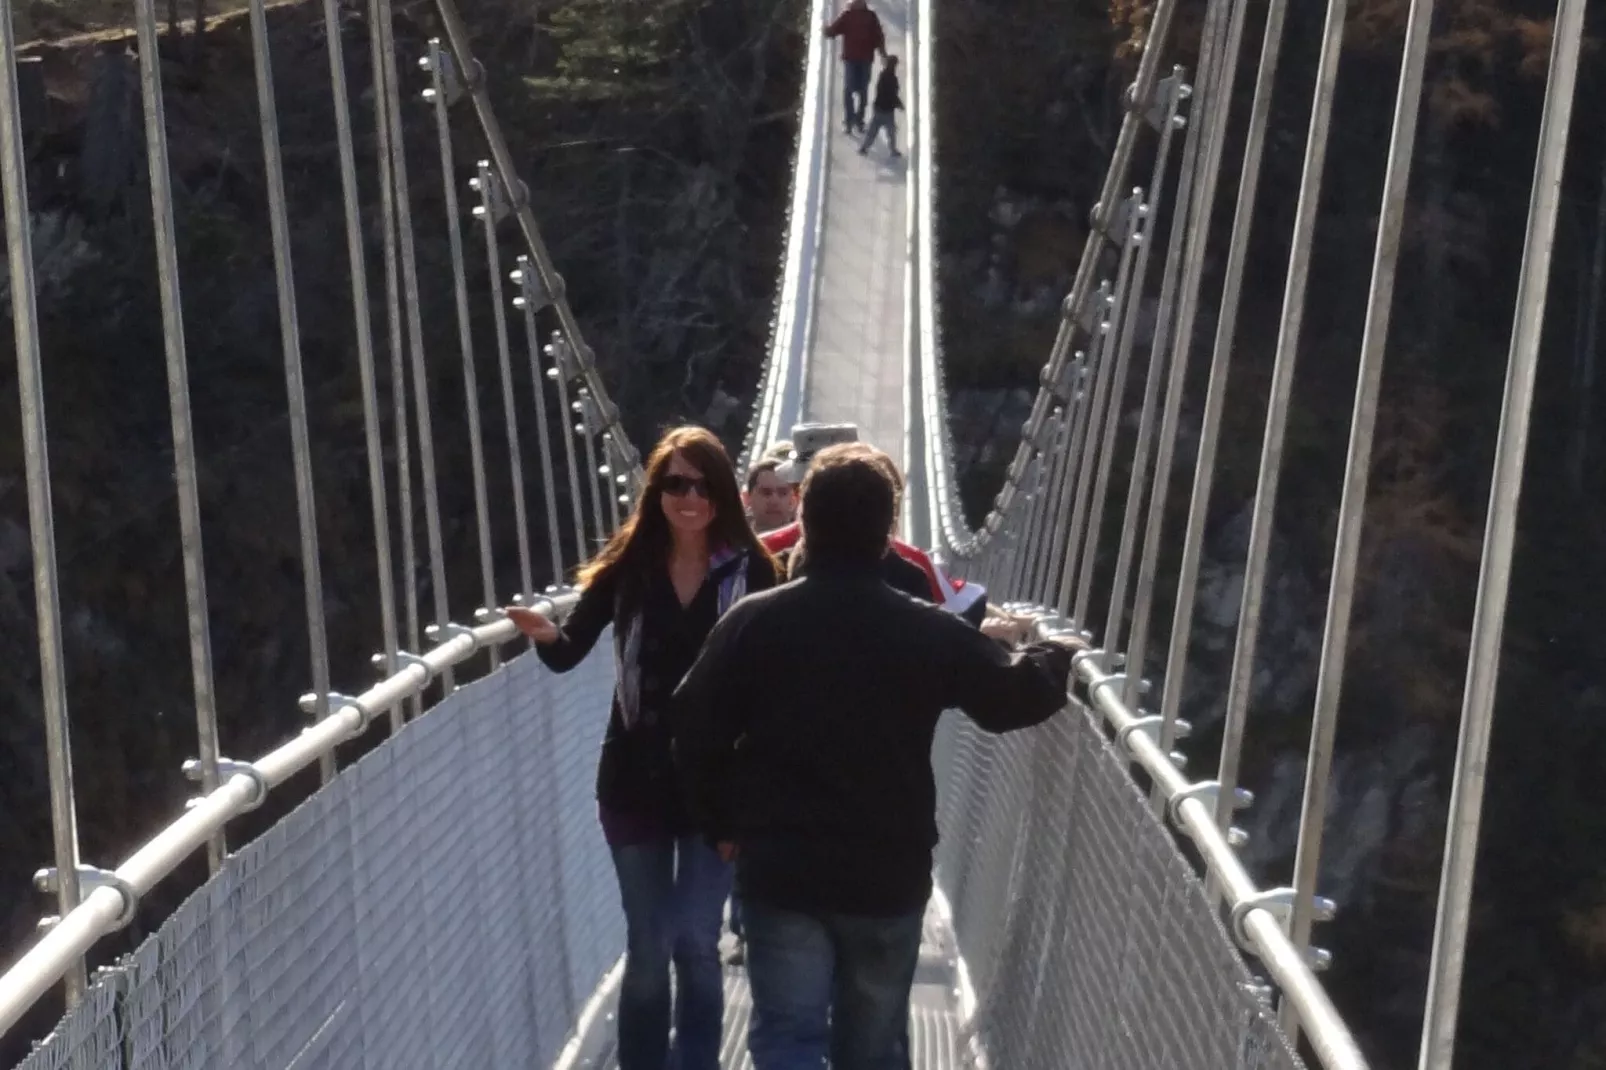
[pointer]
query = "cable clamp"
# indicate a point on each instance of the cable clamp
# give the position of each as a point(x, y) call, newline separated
point(90, 880)
point(228, 768)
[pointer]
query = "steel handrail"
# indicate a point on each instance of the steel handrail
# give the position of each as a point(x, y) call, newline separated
point(112, 903)
point(779, 401)
point(1255, 926)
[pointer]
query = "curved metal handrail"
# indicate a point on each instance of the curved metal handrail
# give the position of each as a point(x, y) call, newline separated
point(958, 540)
point(780, 395)
point(628, 459)
point(116, 893)
point(1259, 917)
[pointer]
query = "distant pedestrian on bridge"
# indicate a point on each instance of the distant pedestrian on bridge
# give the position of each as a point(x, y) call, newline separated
point(683, 558)
point(888, 103)
point(823, 790)
point(862, 38)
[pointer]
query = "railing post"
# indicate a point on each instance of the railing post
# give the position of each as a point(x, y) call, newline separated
point(493, 205)
point(290, 339)
point(386, 135)
point(445, 88)
point(390, 97)
point(1494, 579)
point(1357, 469)
point(178, 393)
point(41, 511)
point(1240, 684)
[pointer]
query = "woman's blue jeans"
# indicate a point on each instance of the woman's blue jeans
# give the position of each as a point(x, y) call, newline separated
point(674, 894)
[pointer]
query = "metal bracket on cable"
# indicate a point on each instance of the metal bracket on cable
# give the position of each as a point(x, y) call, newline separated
point(452, 84)
point(590, 410)
point(226, 768)
point(1122, 226)
point(90, 879)
point(1207, 792)
point(532, 290)
point(562, 355)
point(1119, 680)
point(1279, 903)
point(543, 604)
point(1148, 726)
point(618, 452)
point(1092, 316)
point(494, 196)
point(489, 615)
point(309, 706)
point(1169, 93)
point(1067, 383)
point(445, 633)
point(404, 660)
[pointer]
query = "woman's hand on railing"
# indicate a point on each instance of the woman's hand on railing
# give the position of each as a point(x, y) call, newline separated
point(537, 627)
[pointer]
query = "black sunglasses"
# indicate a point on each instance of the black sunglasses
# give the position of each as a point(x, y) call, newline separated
point(680, 486)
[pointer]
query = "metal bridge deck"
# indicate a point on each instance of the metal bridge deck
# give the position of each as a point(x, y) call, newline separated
point(856, 371)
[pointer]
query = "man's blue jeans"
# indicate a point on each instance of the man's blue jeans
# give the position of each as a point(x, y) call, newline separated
point(829, 987)
point(855, 83)
point(674, 900)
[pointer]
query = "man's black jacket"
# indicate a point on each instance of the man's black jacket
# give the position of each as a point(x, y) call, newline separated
point(803, 733)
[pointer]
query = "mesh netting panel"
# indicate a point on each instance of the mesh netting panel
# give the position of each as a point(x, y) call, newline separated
point(1086, 933)
point(88, 1036)
point(447, 901)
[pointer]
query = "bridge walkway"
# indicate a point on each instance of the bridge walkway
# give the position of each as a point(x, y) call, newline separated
point(856, 370)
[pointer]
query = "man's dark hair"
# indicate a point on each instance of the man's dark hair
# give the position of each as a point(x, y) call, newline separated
point(768, 464)
point(846, 507)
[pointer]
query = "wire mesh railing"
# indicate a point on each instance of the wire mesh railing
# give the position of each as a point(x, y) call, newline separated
point(1044, 541)
point(408, 913)
point(570, 401)
point(1102, 950)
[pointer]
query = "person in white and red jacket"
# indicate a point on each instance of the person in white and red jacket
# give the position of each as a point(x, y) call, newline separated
point(934, 585)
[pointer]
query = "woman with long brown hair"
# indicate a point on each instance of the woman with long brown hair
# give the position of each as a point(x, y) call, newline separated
point(683, 557)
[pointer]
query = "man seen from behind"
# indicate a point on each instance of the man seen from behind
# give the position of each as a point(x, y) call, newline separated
point(862, 37)
point(823, 789)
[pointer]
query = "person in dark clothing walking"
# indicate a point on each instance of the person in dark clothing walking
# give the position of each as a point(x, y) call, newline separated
point(862, 37)
point(683, 558)
point(823, 790)
point(887, 105)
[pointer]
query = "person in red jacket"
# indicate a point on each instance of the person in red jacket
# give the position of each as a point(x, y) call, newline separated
point(862, 38)
point(968, 600)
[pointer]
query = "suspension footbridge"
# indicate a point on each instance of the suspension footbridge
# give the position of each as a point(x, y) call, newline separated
point(447, 900)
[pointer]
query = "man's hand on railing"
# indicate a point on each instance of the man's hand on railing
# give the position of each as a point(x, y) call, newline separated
point(537, 627)
point(1006, 628)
